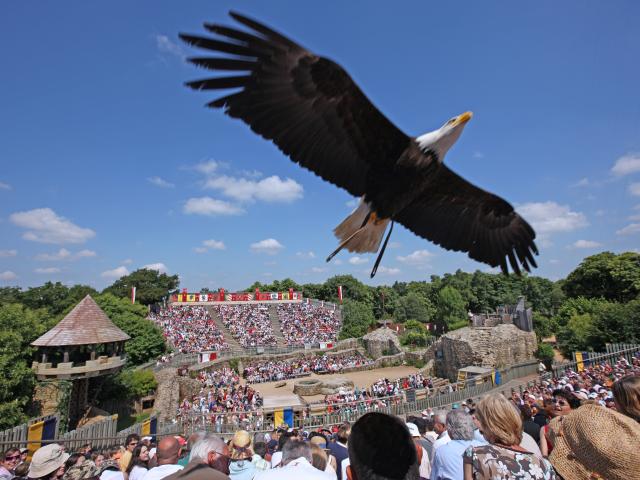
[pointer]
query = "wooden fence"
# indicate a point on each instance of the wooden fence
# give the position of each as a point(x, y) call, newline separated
point(614, 352)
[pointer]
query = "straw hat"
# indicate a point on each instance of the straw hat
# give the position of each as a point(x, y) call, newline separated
point(47, 460)
point(595, 442)
point(241, 444)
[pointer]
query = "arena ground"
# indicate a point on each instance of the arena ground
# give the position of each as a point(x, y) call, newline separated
point(362, 379)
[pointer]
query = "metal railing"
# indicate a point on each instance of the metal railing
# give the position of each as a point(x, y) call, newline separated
point(627, 351)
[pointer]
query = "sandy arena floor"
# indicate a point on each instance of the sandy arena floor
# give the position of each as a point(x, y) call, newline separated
point(360, 379)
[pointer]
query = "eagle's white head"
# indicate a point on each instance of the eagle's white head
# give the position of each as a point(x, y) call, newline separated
point(441, 140)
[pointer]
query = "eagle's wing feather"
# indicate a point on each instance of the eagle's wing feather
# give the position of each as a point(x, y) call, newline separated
point(307, 105)
point(457, 215)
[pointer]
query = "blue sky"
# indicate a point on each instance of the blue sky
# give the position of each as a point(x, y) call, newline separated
point(110, 164)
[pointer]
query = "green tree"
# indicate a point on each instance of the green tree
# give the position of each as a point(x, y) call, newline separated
point(617, 323)
point(147, 341)
point(544, 326)
point(414, 306)
point(138, 383)
point(577, 334)
point(450, 307)
point(313, 290)
point(55, 297)
point(384, 302)
point(545, 354)
point(352, 289)
point(19, 326)
point(357, 317)
point(151, 286)
point(607, 275)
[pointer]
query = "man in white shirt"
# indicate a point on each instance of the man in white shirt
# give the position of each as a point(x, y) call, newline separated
point(168, 453)
point(440, 427)
point(296, 461)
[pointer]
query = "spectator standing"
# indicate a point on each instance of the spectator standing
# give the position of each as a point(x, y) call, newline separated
point(440, 427)
point(626, 394)
point(423, 457)
point(139, 464)
point(380, 447)
point(297, 464)
point(447, 461)
point(209, 460)
point(528, 425)
point(130, 445)
point(593, 442)
point(339, 448)
point(504, 457)
point(168, 453)
point(9, 462)
point(47, 462)
point(241, 466)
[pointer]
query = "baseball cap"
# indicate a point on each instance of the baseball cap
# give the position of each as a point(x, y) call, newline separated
point(413, 429)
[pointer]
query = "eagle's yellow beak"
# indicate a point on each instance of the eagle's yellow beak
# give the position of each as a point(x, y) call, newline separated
point(464, 118)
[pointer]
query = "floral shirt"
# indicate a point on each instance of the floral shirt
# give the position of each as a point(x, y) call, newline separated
point(493, 462)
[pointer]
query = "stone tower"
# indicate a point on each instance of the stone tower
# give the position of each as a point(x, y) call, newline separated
point(84, 344)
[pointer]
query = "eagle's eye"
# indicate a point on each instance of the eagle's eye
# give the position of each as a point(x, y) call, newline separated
point(452, 120)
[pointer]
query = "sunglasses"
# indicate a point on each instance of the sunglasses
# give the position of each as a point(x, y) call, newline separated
point(133, 444)
point(12, 457)
point(560, 402)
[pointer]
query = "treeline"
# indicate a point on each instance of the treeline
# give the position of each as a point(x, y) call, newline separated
point(27, 314)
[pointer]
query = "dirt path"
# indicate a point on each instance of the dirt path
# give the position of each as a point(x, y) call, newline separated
point(360, 379)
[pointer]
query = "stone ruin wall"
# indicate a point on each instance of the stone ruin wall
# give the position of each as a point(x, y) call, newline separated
point(494, 347)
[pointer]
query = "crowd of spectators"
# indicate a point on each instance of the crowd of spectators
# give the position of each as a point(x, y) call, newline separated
point(250, 324)
point(221, 392)
point(260, 371)
point(306, 323)
point(189, 328)
point(587, 422)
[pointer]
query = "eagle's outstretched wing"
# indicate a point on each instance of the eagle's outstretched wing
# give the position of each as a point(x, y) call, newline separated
point(306, 104)
point(457, 215)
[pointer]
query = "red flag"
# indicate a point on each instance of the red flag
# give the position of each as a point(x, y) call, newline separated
point(133, 294)
point(340, 293)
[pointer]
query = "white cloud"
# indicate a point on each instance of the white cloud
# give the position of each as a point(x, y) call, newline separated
point(45, 226)
point(550, 217)
point(159, 267)
point(165, 45)
point(8, 253)
point(160, 182)
point(419, 257)
point(47, 270)
point(586, 244)
point(210, 245)
point(269, 246)
point(382, 270)
point(353, 203)
point(270, 189)
point(583, 182)
point(251, 173)
point(544, 240)
point(64, 254)
point(207, 167)
point(634, 189)
point(634, 218)
point(629, 229)
point(210, 207)
point(5, 186)
point(358, 260)
point(306, 255)
point(318, 269)
point(7, 276)
point(214, 244)
point(629, 163)
point(117, 272)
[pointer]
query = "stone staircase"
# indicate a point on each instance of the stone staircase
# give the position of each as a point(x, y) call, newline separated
point(167, 394)
point(275, 326)
point(232, 342)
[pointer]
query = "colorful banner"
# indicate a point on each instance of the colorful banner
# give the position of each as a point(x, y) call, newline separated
point(133, 294)
point(149, 428)
point(221, 296)
point(579, 362)
point(340, 293)
point(283, 416)
point(34, 433)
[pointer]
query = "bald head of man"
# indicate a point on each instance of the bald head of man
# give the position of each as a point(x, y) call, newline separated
point(168, 451)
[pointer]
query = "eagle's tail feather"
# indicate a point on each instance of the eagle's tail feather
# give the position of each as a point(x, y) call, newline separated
point(360, 232)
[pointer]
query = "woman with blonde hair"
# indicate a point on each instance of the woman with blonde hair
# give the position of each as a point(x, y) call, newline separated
point(503, 457)
point(626, 395)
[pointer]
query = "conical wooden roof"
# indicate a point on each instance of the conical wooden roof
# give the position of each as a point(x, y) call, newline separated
point(86, 324)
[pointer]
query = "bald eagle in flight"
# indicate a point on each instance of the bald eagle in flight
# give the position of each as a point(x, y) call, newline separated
point(315, 113)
